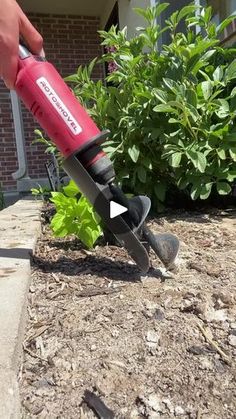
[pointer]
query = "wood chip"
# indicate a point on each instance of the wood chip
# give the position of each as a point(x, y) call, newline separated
point(214, 344)
point(34, 355)
point(38, 332)
point(97, 291)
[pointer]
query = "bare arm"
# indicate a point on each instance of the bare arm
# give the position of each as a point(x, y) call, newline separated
point(14, 23)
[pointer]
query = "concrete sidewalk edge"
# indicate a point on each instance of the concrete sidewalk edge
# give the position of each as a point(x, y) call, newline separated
point(19, 229)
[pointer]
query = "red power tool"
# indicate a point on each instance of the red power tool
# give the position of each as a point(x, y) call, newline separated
point(79, 140)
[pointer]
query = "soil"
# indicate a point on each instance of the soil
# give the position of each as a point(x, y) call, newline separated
point(156, 346)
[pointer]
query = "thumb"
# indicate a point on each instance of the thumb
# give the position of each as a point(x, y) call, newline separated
point(31, 35)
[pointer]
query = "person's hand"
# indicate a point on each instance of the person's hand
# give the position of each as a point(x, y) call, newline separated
point(14, 23)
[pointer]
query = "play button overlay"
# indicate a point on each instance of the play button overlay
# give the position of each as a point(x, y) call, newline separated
point(116, 209)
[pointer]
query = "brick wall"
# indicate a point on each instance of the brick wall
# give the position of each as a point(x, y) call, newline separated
point(68, 42)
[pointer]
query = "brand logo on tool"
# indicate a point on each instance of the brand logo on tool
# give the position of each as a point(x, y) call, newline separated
point(60, 107)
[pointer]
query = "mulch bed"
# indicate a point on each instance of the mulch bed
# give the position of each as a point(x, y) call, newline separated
point(154, 346)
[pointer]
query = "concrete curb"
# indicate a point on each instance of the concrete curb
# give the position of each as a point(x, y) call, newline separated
point(19, 229)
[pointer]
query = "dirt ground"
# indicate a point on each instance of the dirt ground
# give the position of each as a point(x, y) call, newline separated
point(157, 346)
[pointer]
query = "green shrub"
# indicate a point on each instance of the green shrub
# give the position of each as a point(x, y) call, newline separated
point(75, 215)
point(171, 112)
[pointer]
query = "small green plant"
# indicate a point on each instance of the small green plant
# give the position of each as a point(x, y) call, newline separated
point(171, 111)
point(75, 215)
point(41, 192)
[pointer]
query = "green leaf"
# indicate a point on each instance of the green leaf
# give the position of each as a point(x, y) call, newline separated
point(206, 14)
point(218, 73)
point(108, 150)
point(35, 191)
point(225, 23)
point(58, 224)
point(202, 162)
point(208, 55)
point(126, 57)
point(142, 174)
point(233, 92)
point(230, 72)
point(232, 152)
point(175, 159)
point(223, 110)
point(183, 182)
point(38, 132)
point(202, 46)
point(206, 190)
point(191, 97)
point(174, 121)
point(91, 66)
point(231, 176)
point(160, 191)
point(223, 188)
point(171, 85)
point(160, 8)
point(206, 89)
point(151, 13)
point(147, 163)
point(134, 153)
point(198, 159)
point(193, 156)
point(161, 95)
point(60, 200)
point(185, 11)
point(73, 78)
point(71, 190)
point(155, 133)
point(195, 191)
point(142, 12)
point(221, 153)
point(164, 108)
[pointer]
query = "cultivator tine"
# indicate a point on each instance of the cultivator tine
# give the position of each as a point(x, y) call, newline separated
point(165, 245)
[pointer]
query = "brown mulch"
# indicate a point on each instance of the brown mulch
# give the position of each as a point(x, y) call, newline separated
point(157, 346)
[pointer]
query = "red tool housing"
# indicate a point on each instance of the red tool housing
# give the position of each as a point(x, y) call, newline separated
point(60, 114)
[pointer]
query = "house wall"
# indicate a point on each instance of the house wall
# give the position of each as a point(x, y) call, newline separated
point(128, 17)
point(106, 12)
point(69, 41)
point(72, 7)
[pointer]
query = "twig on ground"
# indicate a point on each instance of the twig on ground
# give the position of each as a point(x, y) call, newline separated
point(38, 332)
point(33, 354)
point(57, 279)
point(92, 330)
point(214, 344)
point(97, 291)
